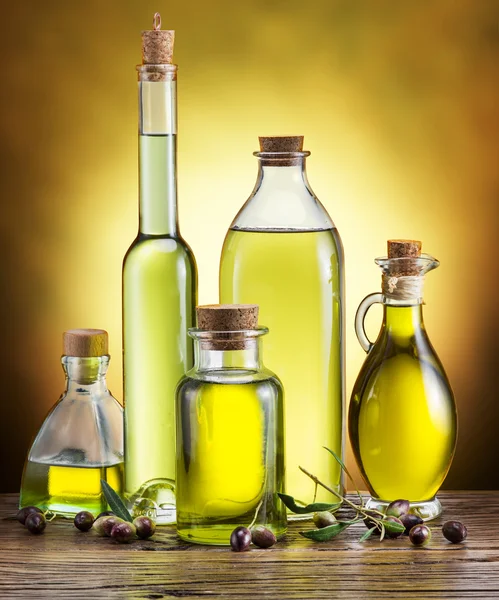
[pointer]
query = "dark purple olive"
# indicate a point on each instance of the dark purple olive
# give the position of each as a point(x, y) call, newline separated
point(24, 512)
point(454, 531)
point(368, 522)
point(84, 521)
point(106, 513)
point(324, 519)
point(262, 537)
point(35, 523)
point(409, 521)
point(397, 508)
point(393, 534)
point(240, 539)
point(123, 532)
point(419, 535)
point(145, 527)
point(103, 525)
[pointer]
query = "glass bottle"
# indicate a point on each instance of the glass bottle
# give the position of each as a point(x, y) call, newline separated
point(402, 418)
point(159, 294)
point(81, 439)
point(230, 459)
point(284, 253)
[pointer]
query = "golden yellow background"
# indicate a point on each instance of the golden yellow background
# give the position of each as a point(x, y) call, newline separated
point(398, 102)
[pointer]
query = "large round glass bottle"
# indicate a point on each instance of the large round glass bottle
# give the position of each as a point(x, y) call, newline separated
point(284, 253)
point(402, 417)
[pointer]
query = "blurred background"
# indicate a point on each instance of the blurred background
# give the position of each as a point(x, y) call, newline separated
point(398, 102)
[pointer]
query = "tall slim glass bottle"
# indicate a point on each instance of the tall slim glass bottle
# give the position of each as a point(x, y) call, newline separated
point(284, 253)
point(159, 294)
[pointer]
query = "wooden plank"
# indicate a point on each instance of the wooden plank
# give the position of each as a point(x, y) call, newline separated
point(65, 563)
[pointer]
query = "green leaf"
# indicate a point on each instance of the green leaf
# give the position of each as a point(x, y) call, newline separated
point(393, 526)
point(289, 501)
point(326, 533)
point(343, 466)
point(115, 502)
point(367, 534)
point(383, 531)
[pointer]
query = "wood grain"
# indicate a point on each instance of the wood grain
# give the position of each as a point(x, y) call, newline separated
point(64, 563)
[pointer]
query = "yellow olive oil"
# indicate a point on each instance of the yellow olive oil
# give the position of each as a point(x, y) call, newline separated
point(228, 441)
point(296, 279)
point(402, 417)
point(68, 490)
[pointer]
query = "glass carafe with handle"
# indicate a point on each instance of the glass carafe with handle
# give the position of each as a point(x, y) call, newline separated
point(402, 417)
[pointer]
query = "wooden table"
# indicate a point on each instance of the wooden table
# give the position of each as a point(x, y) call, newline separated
point(65, 563)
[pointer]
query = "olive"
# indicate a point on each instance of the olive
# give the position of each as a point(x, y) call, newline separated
point(368, 522)
point(397, 508)
point(324, 519)
point(262, 537)
point(393, 534)
point(103, 525)
point(106, 513)
point(454, 531)
point(84, 521)
point(409, 521)
point(145, 527)
point(35, 522)
point(240, 539)
point(24, 512)
point(123, 532)
point(419, 535)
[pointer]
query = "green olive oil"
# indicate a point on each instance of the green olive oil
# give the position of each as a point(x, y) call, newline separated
point(67, 490)
point(402, 417)
point(296, 279)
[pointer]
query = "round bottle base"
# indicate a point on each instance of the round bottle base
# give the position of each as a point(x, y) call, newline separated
point(156, 500)
point(427, 510)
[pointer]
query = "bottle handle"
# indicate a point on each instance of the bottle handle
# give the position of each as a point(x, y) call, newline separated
point(360, 316)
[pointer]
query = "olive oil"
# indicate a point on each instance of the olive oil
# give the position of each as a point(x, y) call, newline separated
point(222, 470)
point(403, 420)
point(159, 283)
point(296, 279)
point(67, 490)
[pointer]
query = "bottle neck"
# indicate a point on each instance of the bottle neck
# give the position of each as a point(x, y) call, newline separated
point(209, 358)
point(158, 152)
point(274, 176)
point(403, 321)
point(86, 374)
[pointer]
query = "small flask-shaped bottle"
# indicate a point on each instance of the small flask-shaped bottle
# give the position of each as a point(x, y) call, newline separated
point(159, 293)
point(81, 439)
point(402, 418)
point(230, 446)
point(284, 253)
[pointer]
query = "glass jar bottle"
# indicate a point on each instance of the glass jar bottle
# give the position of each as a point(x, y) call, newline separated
point(81, 439)
point(402, 418)
point(230, 446)
point(284, 253)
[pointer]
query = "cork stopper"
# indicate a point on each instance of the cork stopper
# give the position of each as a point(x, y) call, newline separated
point(227, 317)
point(404, 249)
point(157, 44)
point(227, 322)
point(85, 342)
point(281, 143)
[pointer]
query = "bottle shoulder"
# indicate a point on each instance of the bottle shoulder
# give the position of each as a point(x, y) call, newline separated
point(153, 248)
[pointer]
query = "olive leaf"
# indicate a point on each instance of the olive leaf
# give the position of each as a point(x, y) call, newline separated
point(115, 502)
point(347, 472)
point(393, 526)
point(367, 534)
point(383, 531)
point(290, 502)
point(326, 533)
